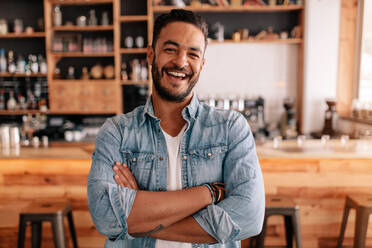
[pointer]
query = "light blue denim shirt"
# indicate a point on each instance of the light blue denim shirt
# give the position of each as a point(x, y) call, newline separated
point(217, 146)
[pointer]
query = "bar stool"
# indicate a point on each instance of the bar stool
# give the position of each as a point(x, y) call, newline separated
point(36, 213)
point(363, 207)
point(285, 206)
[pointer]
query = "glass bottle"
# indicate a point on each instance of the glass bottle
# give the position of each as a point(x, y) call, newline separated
point(42, 64)
point(11, 65)
point(124, 73)
point(57, 18)
point(21, 64)
point(2, 100)
point(3, 64)
point(12, 103)
point(92, 18)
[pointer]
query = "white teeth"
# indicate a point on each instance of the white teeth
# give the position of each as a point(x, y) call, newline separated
point(177, 74)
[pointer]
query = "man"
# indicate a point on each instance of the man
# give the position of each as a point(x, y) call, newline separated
point(157, 172)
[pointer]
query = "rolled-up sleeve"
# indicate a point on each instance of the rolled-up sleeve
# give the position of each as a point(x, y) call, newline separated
point(240, 215)
point(109, 204)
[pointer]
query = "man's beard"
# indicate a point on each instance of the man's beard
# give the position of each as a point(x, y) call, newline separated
point(168, 94)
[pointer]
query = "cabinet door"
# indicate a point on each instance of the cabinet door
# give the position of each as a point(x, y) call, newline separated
point(64, 97)
point(105, 96)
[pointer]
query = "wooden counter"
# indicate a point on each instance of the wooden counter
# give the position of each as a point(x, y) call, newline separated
point(318, 177)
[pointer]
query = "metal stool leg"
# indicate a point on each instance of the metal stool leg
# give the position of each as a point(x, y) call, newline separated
point(343, 224)
point(58, 232)
point(21, 231)
point(288, 230)
point(361, 226)
point(36, 234)
point(297, 228)
point(72, 229)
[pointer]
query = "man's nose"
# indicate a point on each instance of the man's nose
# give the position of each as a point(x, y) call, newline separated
point(181, 59)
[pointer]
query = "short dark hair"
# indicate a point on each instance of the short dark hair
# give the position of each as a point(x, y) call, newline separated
point(179, 15)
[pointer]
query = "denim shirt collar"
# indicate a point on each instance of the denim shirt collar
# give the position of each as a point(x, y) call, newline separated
point(190, 111)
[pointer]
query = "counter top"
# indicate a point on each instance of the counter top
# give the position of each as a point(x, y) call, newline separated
point(315, 149)
point(286, 149)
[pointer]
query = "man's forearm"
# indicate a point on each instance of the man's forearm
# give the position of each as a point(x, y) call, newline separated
point(152, 211)
point(186, 230)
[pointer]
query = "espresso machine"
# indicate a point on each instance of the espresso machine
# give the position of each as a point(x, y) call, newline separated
point(288, 120)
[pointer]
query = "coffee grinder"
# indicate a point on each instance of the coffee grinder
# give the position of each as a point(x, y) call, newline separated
point(330, 119)
point(288, 120)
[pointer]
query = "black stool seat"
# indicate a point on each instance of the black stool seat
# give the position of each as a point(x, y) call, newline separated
point(37, 212)
point(363, 206)
point(285, 206)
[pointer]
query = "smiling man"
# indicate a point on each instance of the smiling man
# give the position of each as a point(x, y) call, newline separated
point(176, 172)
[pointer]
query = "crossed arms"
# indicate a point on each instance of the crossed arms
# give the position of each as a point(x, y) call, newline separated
point(165, 215)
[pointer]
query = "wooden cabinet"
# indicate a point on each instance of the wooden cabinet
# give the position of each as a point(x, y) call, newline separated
point(72, 96)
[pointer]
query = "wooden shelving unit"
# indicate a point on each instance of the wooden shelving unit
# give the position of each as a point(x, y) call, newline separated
point(2, 74)
point(22, 35)
point(210, 8)
point(74, 81)
point(83, 28)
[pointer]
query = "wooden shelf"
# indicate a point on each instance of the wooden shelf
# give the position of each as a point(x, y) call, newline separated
point(71, 81)
point(80, 2)
point(84, 28)
point(133, 50)
point(23, 35)
point(133, 18)
point(21, 112)
point(7, 74)
point(82, 54)
point(129, 82)
point(248, 8)
point(357, 120)
point(284, 41)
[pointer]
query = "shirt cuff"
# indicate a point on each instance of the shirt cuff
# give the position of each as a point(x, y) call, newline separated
point(122, 200)
point(217, 223)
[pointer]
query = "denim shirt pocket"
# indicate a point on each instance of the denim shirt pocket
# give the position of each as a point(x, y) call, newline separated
point(207, 163)
point(140, 164)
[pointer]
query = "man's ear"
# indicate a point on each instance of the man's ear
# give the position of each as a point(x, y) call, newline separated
point(202, 64)
point(150, 55)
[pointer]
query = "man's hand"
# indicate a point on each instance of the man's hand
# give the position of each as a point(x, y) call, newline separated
point(124, 177)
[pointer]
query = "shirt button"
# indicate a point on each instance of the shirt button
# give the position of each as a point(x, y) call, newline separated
point(161, 158)
point(185, 157)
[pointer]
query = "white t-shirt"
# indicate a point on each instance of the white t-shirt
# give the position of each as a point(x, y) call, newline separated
point(174, 181)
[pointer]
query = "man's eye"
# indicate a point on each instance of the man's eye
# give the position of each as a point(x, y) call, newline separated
point(194, 55)
point(170, 49)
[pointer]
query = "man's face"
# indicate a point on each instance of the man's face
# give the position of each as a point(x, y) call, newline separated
point(177, 60)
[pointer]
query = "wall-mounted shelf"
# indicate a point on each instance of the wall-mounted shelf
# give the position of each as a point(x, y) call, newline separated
point(21, 112)
point(22, 35)
point(7, 74)
point(284, 41)
point(82, 54)
point(74, 81)
point(133, 50)
point(83, 28)
point(129, 82)
point(209, 8)
point(134, 18)
point(80, 2)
